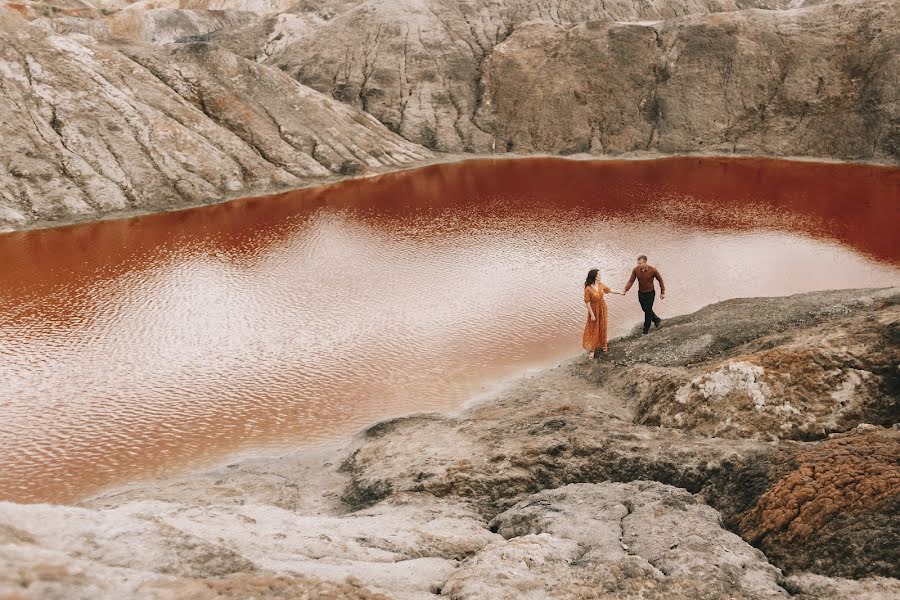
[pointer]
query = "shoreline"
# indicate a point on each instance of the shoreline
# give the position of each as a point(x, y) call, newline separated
point(583, 480)
point(334, 447)
point(492, 389)
point(330, 448)
point(440, 159)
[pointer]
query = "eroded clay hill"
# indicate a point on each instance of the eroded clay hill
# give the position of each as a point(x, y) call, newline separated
point(91, 128)
point(556, 488)
point(614, 77)
point(257, 91)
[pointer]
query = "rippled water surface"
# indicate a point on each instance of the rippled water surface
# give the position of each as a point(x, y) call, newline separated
point(130, 349)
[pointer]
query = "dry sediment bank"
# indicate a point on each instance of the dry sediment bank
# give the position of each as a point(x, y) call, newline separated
point(561, 486)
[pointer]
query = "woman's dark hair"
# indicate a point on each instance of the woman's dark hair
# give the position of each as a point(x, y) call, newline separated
point(592, 277)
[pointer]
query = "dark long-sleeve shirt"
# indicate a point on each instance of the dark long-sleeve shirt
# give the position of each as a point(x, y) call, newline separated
point(645, 276)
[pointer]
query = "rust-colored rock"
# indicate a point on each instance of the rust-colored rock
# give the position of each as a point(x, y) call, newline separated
point(837, 510)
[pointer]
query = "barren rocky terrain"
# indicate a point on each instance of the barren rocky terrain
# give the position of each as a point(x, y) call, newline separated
point(564, 485)
point(113, 108)
point(749, 450)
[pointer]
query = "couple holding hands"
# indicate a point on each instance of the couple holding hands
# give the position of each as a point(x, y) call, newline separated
point(594, 337)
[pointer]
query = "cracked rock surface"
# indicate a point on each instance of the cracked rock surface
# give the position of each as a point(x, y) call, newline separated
point(555, 488)
point(750, 81)
point(755, 76)
point(417, 65)
point(614, 539)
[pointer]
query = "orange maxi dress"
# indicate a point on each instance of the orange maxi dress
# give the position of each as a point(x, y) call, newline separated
point(595, 331)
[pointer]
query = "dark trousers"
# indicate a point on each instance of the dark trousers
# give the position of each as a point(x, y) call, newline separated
point(646, 299)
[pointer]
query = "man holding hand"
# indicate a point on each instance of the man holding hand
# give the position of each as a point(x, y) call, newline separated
point(645, 274)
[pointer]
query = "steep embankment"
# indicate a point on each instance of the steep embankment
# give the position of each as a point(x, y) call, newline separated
point(90, 128)
point(558, 487)
point(93, 123)
point(820, 81)
point(417, 65)
point(609, 78)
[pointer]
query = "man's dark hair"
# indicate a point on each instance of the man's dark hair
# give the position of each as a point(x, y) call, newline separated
point(642, 257)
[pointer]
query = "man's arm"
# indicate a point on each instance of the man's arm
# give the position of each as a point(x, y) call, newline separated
point(630, 281)
point(662, 286)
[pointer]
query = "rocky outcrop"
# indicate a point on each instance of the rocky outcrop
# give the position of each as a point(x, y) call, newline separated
point(614, 540)
point(767, 376)
point(840, 500)
point(417, 65)
point(552, 488)
point(563, 441)
point(753, 81)
point(616, 77)
point(91, 129)
point(402, 548)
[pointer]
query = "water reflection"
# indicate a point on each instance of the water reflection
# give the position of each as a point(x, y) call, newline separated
point(131, 348)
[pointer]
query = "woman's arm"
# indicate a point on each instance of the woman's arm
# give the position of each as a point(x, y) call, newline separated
point(590, 311)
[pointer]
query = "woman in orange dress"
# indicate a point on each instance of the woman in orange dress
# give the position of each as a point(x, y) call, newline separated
point(594, 336)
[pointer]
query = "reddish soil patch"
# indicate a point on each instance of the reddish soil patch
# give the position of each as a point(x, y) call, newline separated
point(837, 511)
